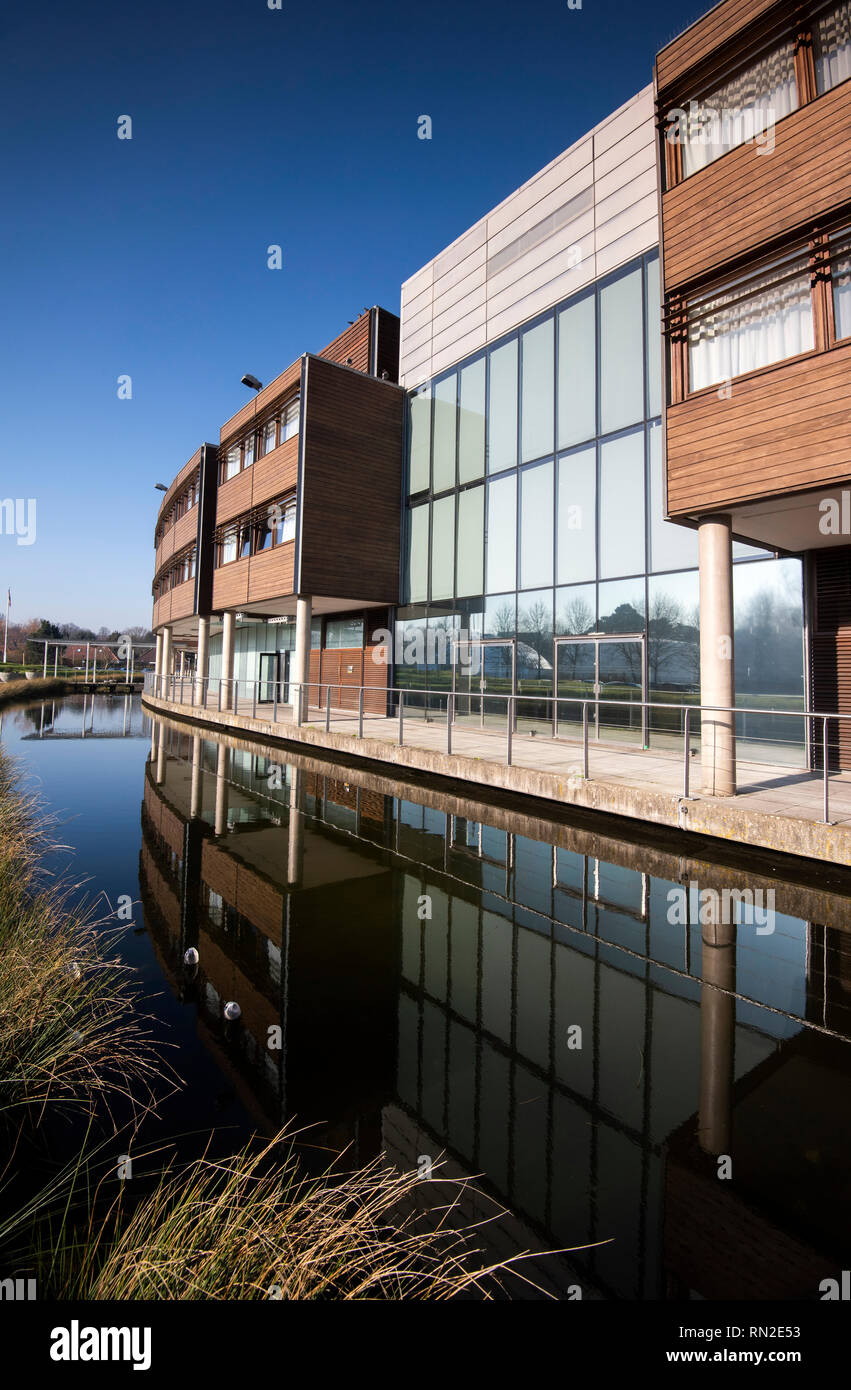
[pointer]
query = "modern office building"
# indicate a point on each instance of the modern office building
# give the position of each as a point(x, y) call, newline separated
point(267, 567)
point(620, 473)
point(536, 529)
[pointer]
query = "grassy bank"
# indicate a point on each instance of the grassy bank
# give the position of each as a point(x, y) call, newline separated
point(252, 1226)
point(15, 691)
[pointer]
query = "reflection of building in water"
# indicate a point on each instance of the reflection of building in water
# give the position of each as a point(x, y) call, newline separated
point(429, 963)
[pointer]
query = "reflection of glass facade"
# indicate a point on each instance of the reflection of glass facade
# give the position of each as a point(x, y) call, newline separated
point(535, 511)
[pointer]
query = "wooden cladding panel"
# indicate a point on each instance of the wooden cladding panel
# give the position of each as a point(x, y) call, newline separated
point(747, 198)
point(353, 342)
point(230, 585)
point(717, 29)
point(784, 430)
point(275, 473)
point(267, 398)
point(351, 485)
point(183, 600)
point(179, 480)
point(234, 497)
point(181, 534)
point(831, 650)
point(271, 574)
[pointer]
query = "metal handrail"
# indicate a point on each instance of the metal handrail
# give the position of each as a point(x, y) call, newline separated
point(166, 687)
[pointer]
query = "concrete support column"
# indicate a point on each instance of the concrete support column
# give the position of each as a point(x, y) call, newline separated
point(158, 659)
point(202, 659)
point(717, 1029)
point(182, 668)
point(717, 678)
point(195, 788)
point(301, 658)
point(295, 829)
point(167, 655)
point(228, 636)
point(222, 766)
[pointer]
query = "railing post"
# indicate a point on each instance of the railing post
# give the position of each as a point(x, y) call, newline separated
point(274, 702)
point(360, 712)
point(687, 757)
point(825, 755)
point(585, 739)
point(449, 723)
point(254, 700)
point(509, 732)
point(221, 682)
point(401, 718)
point(327, 709)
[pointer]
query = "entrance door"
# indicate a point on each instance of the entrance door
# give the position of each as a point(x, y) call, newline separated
point(483, 674)
point(605, 669)
point(268, 677)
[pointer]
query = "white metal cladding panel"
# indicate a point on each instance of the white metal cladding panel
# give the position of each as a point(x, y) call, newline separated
point(599, 196)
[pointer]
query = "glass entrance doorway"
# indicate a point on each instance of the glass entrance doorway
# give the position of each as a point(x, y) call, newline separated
point(483, 675)
point(274, 669)
point(604, 669)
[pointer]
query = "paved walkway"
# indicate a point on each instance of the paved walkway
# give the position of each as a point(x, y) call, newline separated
point(764, 787)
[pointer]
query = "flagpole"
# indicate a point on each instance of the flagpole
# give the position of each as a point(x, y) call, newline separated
point(6, 629)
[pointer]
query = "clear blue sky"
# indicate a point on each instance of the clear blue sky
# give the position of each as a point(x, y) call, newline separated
point(251, 126)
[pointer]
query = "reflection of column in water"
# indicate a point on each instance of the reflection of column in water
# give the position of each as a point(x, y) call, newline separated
point(41, 723)
point(160, 754)
point(717, 1025)
point(153, 737)
point(221, 822)
point(126, 714)
point(195, 793)
point(295, 830)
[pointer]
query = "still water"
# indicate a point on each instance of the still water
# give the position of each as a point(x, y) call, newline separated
point(558, 1012)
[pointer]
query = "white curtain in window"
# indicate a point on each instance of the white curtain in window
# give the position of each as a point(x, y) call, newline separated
point(832, 36)
point(729, 334)
point(232, 464)
point(741, 110)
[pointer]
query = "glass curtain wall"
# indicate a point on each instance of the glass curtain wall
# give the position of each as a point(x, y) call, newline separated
point(535, 496)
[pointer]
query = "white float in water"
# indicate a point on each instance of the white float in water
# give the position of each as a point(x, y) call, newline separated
point(191, 956)
point(232, 1011)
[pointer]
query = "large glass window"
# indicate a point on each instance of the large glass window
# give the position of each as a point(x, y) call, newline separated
point(671, 546)
point(577, 372)
point(228, 545)
point(739, 112)
point(471, 422)
point(501, 536)
point(538, 376)
point(289, 419)
point(621, 353)
point(502, 408)
point(232, 462)
point(344, 632)
point(419, 437)
point(270, 436)
point(653, 336)
point(443, 547)
point(471, 541)
point(577, 517)
point(750, 323)
point(418, 554)
point(622, 505)
point(536, 526)
point(832, 46)
point(443, 447)
point(576, 610)
point(840, 246)
point(248, 451)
